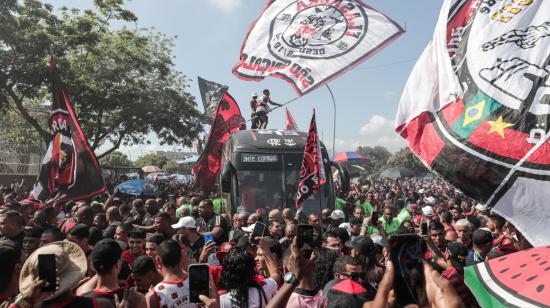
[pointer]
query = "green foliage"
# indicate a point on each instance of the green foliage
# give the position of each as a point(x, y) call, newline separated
point(115, 159)
point(377, 157)
point(152, 159)
point(171, 167)
point(122, 83)
point(405, 158)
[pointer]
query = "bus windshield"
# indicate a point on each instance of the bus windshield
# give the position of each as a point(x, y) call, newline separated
point(270, 182)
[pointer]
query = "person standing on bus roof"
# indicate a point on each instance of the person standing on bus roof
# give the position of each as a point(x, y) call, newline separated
point(262, 109)
point(253, 116)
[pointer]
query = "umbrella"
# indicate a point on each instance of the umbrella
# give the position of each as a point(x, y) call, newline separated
point(521, 279)
point(348, 156)
point(137, 187)
point(151, 169)
point(397, 172)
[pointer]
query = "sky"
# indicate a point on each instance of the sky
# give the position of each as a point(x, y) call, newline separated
point(208, 37)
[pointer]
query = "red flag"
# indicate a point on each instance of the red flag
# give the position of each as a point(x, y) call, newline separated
point(69, 170)
point(228, 119)
point(312, 172)
point(290, 124)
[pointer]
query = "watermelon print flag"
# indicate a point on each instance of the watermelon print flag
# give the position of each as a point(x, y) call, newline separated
point(476, 107)
point(310, 42)
point(69, 170)
point(520, 280)
point(312, 172)
point(227, 119)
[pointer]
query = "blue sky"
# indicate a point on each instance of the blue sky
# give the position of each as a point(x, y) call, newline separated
point(209, 36)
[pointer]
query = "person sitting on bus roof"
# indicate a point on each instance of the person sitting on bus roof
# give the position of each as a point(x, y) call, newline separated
point(262, 109)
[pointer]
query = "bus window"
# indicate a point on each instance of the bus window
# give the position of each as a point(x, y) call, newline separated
point(260, 189)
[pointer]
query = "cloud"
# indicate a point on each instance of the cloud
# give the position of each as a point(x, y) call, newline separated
point(377, 124)
point(225, 5)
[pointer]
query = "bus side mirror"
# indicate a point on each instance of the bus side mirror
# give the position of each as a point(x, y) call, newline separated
point(226, 177)
point(344, 176)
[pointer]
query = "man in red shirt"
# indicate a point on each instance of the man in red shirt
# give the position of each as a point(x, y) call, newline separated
point(136, 243)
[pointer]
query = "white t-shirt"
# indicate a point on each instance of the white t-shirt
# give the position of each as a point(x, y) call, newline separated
point(270, 288)
point(173, 294)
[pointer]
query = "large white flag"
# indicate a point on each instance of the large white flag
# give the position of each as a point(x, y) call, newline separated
point(476, 107)
point(310, 42)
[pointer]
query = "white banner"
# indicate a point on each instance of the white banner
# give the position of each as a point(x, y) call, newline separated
point(310, 42)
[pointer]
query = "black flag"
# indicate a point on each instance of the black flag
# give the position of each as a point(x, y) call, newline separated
point(69, 170)
point(211, 94)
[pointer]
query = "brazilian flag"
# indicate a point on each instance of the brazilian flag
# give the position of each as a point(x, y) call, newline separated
point(476, 110)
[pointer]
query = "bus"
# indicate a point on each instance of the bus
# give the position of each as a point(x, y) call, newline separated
point(261, 169)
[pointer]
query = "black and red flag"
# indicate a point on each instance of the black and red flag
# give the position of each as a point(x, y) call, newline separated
point(69, 170)
point(312, 172)
point(227, 119)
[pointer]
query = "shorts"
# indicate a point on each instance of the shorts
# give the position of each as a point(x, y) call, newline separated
point(262, 116)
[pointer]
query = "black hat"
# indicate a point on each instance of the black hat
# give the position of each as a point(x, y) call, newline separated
point(482, 237)
point(457, 254)
point(362, 244)
point(345, 293)
point(105, 254)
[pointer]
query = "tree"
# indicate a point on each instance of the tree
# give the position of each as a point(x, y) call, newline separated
point(152, 159)
point(116, 159)
point(121, 83)
point(171, 167)
point(405, 158)
point(377, 157)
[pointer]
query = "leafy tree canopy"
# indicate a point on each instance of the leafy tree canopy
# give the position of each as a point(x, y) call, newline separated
point(405, 158)
point(116, 159)
point(152, 159)
point(377, 158)
point(122, 83)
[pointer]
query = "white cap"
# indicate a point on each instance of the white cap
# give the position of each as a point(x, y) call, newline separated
point(427, 211)
point(482, 207)
point(185, 222)
point(337, 214)
point(254, 94)
point(421, 191)
point(429, 200)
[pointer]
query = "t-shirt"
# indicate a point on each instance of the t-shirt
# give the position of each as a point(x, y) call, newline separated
point(306, 298)
point(403, 215)
point(108, 295)
point(206, 225)
point(269, 286)
point(180, 209)
point(173, 294)
point(456, 278)
point(219, 205)
point(340, 204)
point(367, 207)
point(389, 228)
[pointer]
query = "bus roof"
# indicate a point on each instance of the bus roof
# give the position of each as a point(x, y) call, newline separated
point(271, 140)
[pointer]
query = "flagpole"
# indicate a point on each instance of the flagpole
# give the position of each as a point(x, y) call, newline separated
point(334, 121)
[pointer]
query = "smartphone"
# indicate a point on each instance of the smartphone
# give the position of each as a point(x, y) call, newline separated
point(374, 218)
point(408, 282)
point(259, 230)
point(198, 281)
point(46, 271)
point(424, 228)
point(208, 237)
point(304, 234)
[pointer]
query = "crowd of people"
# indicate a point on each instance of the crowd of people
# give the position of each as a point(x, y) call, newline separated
point(125, 251)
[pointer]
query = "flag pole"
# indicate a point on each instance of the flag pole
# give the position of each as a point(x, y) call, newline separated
point(334, 121)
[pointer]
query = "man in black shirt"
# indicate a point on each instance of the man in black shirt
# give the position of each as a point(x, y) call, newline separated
point(208, 222)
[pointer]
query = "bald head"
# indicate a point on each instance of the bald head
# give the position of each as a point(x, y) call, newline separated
point(112, 214)
point(275, 215)
point(85, 215)
point(252, 219)
point(287, 213)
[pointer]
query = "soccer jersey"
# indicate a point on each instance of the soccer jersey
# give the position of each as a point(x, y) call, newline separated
point(173, 294)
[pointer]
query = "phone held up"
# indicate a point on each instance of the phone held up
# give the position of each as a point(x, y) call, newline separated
point(409, 280)
point(46, 271)
point(258, 231)
point(198, 281)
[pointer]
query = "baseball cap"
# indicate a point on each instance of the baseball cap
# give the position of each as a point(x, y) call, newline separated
point(249, 229)
point(105, 254)
point(427, 211)
point(379, 240)
point(254, 94)
point(421, 191)
point(345, 293)
point(337, 214)
point(482, 207)
point(185, 222)
point(429, 200)
point(457, 253)
point(224, 249)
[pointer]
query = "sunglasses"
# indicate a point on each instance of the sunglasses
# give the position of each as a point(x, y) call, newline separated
point(355, 276)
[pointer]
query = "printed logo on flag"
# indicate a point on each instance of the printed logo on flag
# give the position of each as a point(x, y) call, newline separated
point(309, 43)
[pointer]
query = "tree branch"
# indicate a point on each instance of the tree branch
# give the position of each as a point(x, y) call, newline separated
point(97, 133)
point(115, 146)
point(27, 117)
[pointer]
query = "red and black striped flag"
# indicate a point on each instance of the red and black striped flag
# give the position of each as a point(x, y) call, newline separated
point(69, 170)
point(312, 172)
